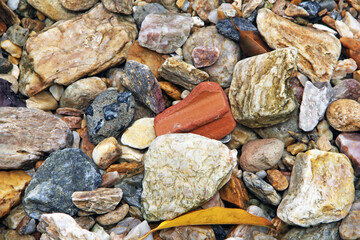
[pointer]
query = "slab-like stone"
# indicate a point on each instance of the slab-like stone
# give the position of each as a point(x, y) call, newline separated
point(72, 49)
point(27, 134)
point(326, 177)
point(260, 94)
point(318, 50)
point(177, 168)
point(53, 9)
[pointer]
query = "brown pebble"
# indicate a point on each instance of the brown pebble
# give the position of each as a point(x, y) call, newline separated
point(277, 180)
point(170, 89)
point(32, 25)
point(109, 179)
point(235, 192)
point(323, 143)
point(72, 122)
point(344, 115)
point(330, 22)
point(38, 164)
point(296, 148)
point(122, 167)
point(86, 145)
point(69, 112)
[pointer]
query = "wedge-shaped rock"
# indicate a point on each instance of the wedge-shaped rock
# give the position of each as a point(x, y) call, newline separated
point(27, 134)
point(75, 48)
point(183, 171)
point(321, 189)
point(318, 50)
point(260, 95)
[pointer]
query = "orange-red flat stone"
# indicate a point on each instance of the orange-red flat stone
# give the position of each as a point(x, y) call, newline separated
point(205, 111)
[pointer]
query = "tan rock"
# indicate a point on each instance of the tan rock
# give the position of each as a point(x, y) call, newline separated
point(277, 180)
point(70, 112)
point(295, 11)
point(188, 232)
point(119, 6)
point(101, 200)
point(241, 135)
point(204, 7)
point(130, 154)
point(113, 217)
point(43, 101)
point(15, 216)
point(13, 235)
point(56, 91)
point(323, 128)
point(85, 222)
point(328, 179)
point(12, 183)
point(344, 115)
point(72, 122)
point(11, 48)
point(350, 225)
point(140, 134)
point(72, 49)
point(323, 143)
point(343, 29)
point(77, 5)
point(53, 9)
point(296, 148)
point(318, 50)
point(106, 152)
point(170, 89)
point(27, 134)
point(109, 179)
point(82, 93)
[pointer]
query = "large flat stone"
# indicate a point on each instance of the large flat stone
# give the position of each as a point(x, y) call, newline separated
point(27, 134)
point(72, 49)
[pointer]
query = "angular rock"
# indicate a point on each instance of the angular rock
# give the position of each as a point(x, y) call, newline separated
point(14, 50)
point(109, 115)
point(344, 115)
point(349, 144)
point(205, 111)
point(125, 225)
point(171, 90)
point(164, 32)
point(15, 216)
point(140, 134)
point(139, 231)
point(331, 194)
point(17, 34)
point(318, 50)
point(63, 173)
point(168, 192)
point(323, 231)
point(277, 180)
point(43, 101)
point(78, 5)
point(100, 201)
point(140, 12)
point(56, 91)
point(132, 189)
point(32, 24)
point(221, 71)
point(69, 112)
point(344, 67)
point(13, 183)
point(110, 178)
point(53, 9)
point(27, 134)
point(348, 88)
point(311, 7)
point(349, 227)
point(7, 96)
point(240, 135)
point(144, 85)
point(343, 29)
point(106, 152)
point(73, 122)
point(260, 95)
point(352, 23)
point(181, 73)
point(235, 192)
point(119, 6)
point(114, 216)
point(81, 94)
point(100, 231)
point(188, 232)
point(260, 154)
point(76, 52)
point(216, 201)
point(204, 7)
point(26, 226)
point(226, 28)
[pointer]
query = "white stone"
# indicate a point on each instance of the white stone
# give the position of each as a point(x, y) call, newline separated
point(101, 232)
point(76, 137)
point(139, 231)
point(184, 94)
point(198, 22)
point(213, 16)
point(344, 67)
point(13, 4)
point(324, 28)
point(130, 154)
point(15, 71)
point(140, 134)
point(352, 23)
point(56, 91)
point(343, 29)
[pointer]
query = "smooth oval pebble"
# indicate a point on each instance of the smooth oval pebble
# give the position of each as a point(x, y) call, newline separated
point(344, 115)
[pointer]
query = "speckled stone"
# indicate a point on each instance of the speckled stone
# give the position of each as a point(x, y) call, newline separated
point(344, 115)
point(119, 6)
point(109, 115)
point(323, 231)
point(260, 95)
point(176, 172)
point(226, 28)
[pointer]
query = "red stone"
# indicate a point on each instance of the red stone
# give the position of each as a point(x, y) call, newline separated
point(205, 111)
point(205, 56)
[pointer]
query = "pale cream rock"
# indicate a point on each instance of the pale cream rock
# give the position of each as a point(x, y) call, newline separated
point(43, 101)
point(240, 135)
point(249, 7)
point(324, 28)
point(56, 91)
point(76, 142)
point(318, 50)
point(114, 216)
point(260, 95)
point(63, 226)
point(53, 9)
point(321, 189)
point(343, 29)
point(140, 134)
point(344, 67)
point(11, 48)
point(72, 49)
point(11, 79)
point(78, 5)
point(323, 143)
point(131, 155)
point(323, 128)
point(177, 168)
point(82, 93)
point(15, 71)
point(100, 201)
point(352, 23)
point(106, 152)
point(295, 11)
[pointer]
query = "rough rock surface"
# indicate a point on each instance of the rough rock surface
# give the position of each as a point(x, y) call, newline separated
point(318, 50)
point(260, 95)
point(119, 6)
point(70, 50)
point(77, 5)
point(177, 170)
point(164, 32)
point(53, 9)
point(226, 28)
point(63, 173)
point(323, 231)
point(326, 177)
point(140, 134)
point(27, 134)
point(188, 232)
point(221, 71)
point(344, 115)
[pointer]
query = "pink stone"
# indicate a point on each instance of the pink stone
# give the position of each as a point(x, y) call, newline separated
point(348, 88)
point(205, 56)
point(349, 144)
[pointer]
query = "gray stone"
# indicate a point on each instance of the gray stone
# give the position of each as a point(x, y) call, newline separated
point(26, 135)
point(260, 94)
point(261, 189)
point(226, 28)
point(164, 32)
point(125, 225)
point(322, 232)
point(139, 231)
point(314, 104)
point(8, 98)
point(109, 115)
point(119, 6)
point(52, 185)
point(18, 35)
point(5, 65)
point(140, 12)
point(132, 189)
point(27, 226)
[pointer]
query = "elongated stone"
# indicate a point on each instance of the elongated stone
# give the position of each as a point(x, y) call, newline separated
point(260, 95)
point(318, 50)
point(326, 177)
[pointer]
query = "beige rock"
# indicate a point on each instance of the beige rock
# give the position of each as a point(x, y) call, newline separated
point(119, 6)
point(27, 134)
point(56, 91)
point(77, 5)
point(204, 7)
point(12, 183)
point(85, 222)
point(15, 216)
point(352, 23)
point(343, 29)
point(53, 9)
point(109, 179)
point(296, 148)
point(113, 217)
point(130, 154)
point(43, 101)
point(13, 235)
point(344, 115)
point(11, 79)
point(15, 71)
point(249, 7)
point(101, 200)
point(82, 93)
point(344, 67)
point(188, 232)
point(11, 48)
point(260, 95)
point(295, 11)
point(140, 134)
point(318, 51)
point(323, 143)
point(350, 225)
point(106, 152)
point(240, 135)
point(72, 49)
point(323, 128)
point(321, 189)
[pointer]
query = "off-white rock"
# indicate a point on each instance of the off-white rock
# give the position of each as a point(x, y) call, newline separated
point(11, 48)
point(15, 71)
point(140, 134)
point(11, 79)
point(343, 29)
point(76, 142)
point(321, 189)
point(99, 230)
point(177, 168)
point(43, 100)
point(131, 155)
point(53, 9)
point(318, 50)
point(250, 7)
point(77, 5)
point(352, 23)
point(324, 28)
point(56, 91)
point(344, 67)
point(139, 231)
point(106, 152)
point(114, 216)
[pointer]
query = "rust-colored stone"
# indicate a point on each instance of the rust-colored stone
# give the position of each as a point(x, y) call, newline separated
point(350, 43)
point(252, 44)
point(205, 111)
point(38, 164)
point(296, 2)
point(32, 24)
point(70, 112)
point(86, 145)
point(235, 192)
point(170, 89)
point(72, 122)
point(330, 22)
point(122, 167)
point(3, 27)
point(277, 180)
point(204, 56)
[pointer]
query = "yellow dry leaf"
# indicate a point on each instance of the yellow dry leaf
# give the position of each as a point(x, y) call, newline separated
point(212, 216)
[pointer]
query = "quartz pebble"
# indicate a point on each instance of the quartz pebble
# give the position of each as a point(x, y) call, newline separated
point(56, 91)
point(100, 231)
point(343, 29)
point(106, 152)
point(139, 231)
point(140, 134)
point(344, 115)
point(344, 67)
